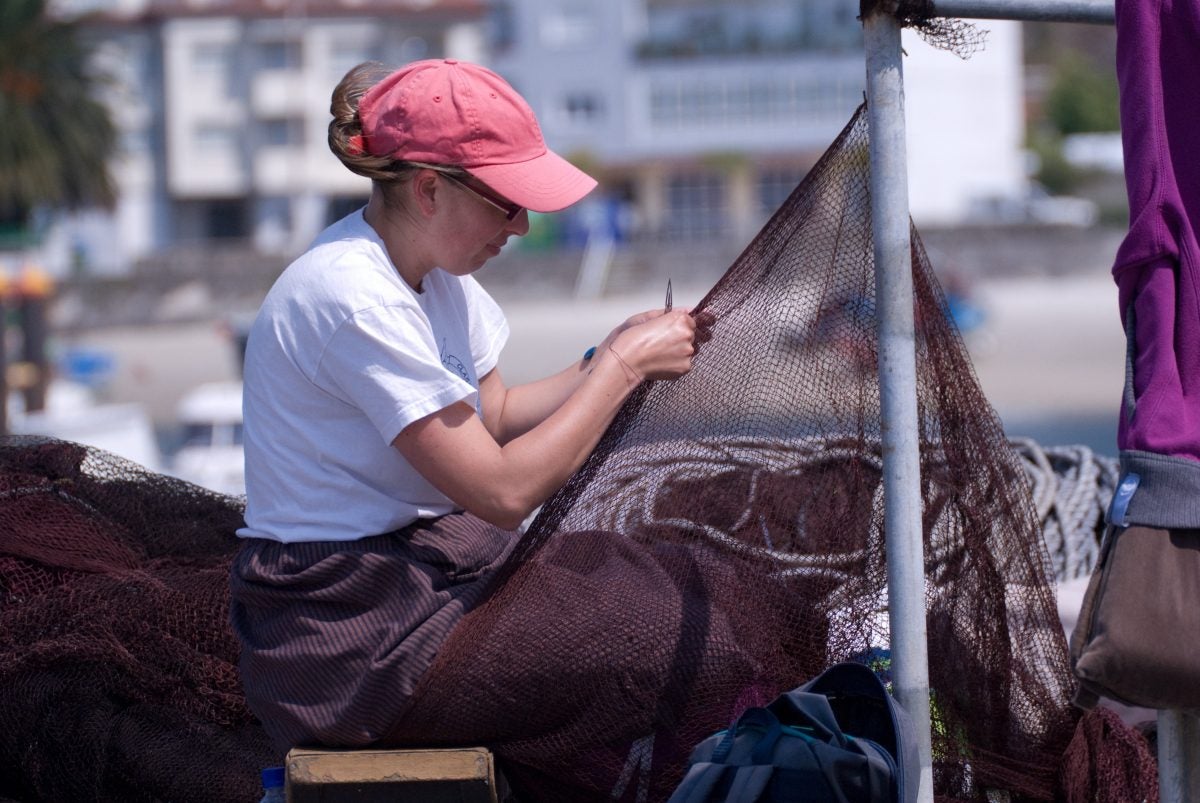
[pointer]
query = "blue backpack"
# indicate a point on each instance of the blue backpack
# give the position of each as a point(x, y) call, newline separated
point(840, 737)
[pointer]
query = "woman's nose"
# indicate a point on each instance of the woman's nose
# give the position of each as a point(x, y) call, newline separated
point(520, 224)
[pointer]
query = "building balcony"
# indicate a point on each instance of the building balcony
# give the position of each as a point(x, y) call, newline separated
point(208, 174)
point(278, 93)
point(723, 44)
point(294, 169)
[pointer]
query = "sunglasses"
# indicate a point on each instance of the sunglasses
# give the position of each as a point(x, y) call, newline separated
point(509, 209)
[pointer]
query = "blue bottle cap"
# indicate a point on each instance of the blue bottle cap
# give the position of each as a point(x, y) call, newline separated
point(272, 777)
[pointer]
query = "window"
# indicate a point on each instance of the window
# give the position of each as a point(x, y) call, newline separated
point(210, 138)
point(752, 100)
point(195, 434)
point(212, 58)
point(414, 48)
point(339, 207)
point(696, 207)
point(568, 27)
point(226, 219)
point(282, 132)
point(582, 107)
point(135, 141)
point(279, 54)
point(502, 27)
point(346, 52)
point(775, 185)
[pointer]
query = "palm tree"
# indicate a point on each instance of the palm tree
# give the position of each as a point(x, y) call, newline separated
point(55, 136)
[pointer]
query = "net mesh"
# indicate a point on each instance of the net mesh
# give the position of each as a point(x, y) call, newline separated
point(725, 542)
point(753, 485)
point(118, 665)
point(954, 35)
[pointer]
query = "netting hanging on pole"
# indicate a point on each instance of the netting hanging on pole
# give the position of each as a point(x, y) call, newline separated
point(724, 543)
point(750, 489)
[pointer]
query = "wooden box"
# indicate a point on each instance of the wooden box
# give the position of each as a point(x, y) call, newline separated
point(460, 775)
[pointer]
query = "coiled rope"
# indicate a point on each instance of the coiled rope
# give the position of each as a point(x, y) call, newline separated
point(1071, 488)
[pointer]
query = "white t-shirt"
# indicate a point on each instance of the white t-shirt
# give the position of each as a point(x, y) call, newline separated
point(343, 356)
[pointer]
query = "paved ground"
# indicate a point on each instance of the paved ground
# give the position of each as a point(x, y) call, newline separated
point(1050, 348)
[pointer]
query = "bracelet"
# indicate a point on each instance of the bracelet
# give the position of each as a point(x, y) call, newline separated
point(631, 375)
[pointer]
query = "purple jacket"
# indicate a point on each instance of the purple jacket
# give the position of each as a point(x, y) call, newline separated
point(1157, 268)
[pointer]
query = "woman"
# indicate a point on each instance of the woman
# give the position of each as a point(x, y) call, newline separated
point(386, 461)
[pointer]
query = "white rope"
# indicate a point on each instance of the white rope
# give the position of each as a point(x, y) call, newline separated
point(1071, 488)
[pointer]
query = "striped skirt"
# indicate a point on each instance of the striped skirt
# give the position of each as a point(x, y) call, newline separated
point(335, 634)
point(591, 666)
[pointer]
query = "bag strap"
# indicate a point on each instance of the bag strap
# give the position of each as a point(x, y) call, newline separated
point(749, 783)
point(701, 779)
point(764, 748)
point(883, 777)
point(751, 717)
point(808, 708)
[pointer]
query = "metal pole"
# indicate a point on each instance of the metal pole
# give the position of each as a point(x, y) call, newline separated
point(1178, 732)
point(1101, 12)
point(898, 380)
point(1178, 740)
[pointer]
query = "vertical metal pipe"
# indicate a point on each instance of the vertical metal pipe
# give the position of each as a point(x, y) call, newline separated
point(1178, 744)
point(897, 378)
point(4, 291)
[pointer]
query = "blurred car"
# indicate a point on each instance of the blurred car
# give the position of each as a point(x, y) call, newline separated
point(72, 413)
point(1036, 207)
point(210, 454)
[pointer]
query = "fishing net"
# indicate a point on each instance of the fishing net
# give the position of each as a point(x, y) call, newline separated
point(725, 542)
point(117, 663)
point(748, 497)
point(954, 35)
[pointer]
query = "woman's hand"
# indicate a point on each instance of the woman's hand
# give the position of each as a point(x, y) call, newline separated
point(633, 320)
point(656, 344)
point(704, 322)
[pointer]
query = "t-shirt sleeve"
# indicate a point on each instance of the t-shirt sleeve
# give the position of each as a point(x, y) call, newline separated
point(489, 327)
point(385, 362)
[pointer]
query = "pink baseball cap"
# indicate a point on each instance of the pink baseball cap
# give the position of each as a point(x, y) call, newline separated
point(445, 111)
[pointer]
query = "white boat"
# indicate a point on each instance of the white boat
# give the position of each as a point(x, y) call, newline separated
point(73, 414)
point(211, 454)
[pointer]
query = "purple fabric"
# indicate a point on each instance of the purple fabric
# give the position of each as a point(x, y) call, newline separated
point(1157, 270)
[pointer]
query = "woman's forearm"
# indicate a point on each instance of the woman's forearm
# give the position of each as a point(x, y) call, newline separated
point(503, 484)
point(525, 406)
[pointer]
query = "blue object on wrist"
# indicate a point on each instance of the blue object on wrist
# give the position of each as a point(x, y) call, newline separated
point(587, 355)
point(1121, 498)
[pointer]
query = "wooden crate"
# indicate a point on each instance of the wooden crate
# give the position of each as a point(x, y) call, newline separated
point(460, 775)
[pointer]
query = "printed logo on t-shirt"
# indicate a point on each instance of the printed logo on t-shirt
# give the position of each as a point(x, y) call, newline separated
point(453, 363)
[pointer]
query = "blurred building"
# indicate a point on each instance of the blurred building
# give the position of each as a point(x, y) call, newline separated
point(223, 107)
point(699, 116)
point(702, 115)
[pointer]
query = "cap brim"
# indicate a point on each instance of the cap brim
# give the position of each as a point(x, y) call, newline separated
point(546, 183)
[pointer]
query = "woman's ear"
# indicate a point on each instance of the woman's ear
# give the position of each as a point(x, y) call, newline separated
point(426, 190)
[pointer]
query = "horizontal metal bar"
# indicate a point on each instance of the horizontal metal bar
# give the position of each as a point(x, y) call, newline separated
point(1100, 12)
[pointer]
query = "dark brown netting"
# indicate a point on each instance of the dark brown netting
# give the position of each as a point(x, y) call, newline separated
point(117, 663)
point(958, 36)
point(724, 543)
point(750, 489)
